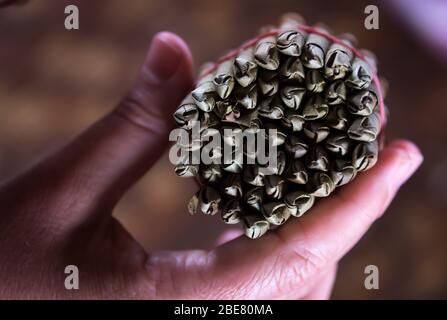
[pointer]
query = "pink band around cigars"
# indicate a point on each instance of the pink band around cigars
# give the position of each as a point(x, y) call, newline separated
point(234, 53)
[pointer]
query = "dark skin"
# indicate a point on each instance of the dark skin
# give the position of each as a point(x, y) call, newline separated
point(59, 213)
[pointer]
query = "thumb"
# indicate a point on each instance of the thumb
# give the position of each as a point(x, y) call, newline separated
point(164, 79)
point(103, 162)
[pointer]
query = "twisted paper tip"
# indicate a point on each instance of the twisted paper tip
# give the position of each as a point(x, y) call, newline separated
point(234, 53)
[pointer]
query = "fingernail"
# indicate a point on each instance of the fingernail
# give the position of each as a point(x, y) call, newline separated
point(164, 55)
point(410, 159)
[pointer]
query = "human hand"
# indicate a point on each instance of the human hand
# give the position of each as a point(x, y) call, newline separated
point(59, 213)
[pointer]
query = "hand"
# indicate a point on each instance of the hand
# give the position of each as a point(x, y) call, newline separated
point(59, 213)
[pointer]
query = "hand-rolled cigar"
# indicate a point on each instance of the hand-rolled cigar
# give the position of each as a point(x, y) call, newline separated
point(232, 140)
point(365, 128)
point(209, 133)
point(232, 115)
point(274, 168)
point(303, 113)
point(247, 96)
point(290, 40)
point(255, 123)
point(338, 61)
point(292, 96)
point(292, 69)
point(251, 175)
point(349, 38)
point(188, 141)
point(338, 143)
point(245, 68)
point(266, 55)
point(315, 81)
point(255, 225)
point(210, 173)
point(371, 59)
point(315, 108)
point(223, 108)
point(274, 136)
point(343, 172)
point(321, 184)
point(299, 202)
point(223, 79)
point(296, 172)
point(187, 167)
point(254, 198)
point(364, 155)
point(214, 152)
point(193, 204)
point(316, 131)
point(249, 147)
point(248, 119)
point(231, 212)
point(296, 146)
point(360, 76)
point(186, 170)
point(276, 212)
point(235, 164)
point(232, 185)
point(208, 120)
point(206, 201)
point(363, 102)
point(336, 93)
point(292, 121)
point(318, 158)
point(209, 200)
point(314, 51)
point(268, 82)
point(187, 113)
point(281, 162)
point(338, 118)
point(271, 108)
point(204, 94)
point(230, 135)
point(275, 186)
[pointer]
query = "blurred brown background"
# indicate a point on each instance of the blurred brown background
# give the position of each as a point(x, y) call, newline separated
point(54, 83)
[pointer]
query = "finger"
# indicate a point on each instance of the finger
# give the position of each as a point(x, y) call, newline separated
point(228, 235)
point(101, 164)
point(289, 259)
point(323, 288)
point(339, 221)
